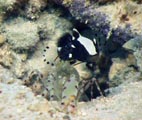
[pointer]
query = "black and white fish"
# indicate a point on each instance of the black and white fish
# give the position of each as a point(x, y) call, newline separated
point(76, 47)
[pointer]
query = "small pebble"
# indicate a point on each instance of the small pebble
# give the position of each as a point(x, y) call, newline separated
point(2, 39)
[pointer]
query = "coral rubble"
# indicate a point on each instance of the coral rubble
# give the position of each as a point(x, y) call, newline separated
point(6, 56)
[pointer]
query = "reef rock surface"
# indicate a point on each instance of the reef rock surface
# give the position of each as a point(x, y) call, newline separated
point(19, 102)
point(29, 33)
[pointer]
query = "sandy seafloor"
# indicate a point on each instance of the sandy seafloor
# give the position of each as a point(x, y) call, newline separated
point(17, 102)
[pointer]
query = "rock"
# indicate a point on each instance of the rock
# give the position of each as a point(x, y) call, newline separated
point(126, 65)
point(6, 56)
point(115, 68)
point(123, 62)
point(4, 5)
point(34, 8)
point(52, 26)
point(7, 78)
point(83, 71)
point(11, 6)
point(120, 105)
point(42, 107)
point(21, 98)
point(136, 46)
point(122, 74)
point(21, 34)
point(2, 39)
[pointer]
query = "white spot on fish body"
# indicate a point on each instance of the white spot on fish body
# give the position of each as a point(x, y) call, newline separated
point(70, 55)
point(59, 49)
point(72, 46)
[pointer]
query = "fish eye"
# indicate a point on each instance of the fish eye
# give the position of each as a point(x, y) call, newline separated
point(64, 40)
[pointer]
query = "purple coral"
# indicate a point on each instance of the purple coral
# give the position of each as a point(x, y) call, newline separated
point(97, 21)
point(121, 36)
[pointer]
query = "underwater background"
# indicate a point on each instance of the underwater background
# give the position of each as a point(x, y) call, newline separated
point(35, 84)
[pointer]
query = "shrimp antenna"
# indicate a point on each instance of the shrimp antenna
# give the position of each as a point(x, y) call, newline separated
point(56, 58)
